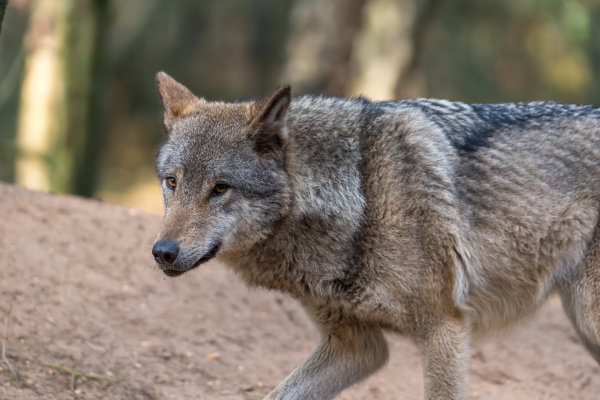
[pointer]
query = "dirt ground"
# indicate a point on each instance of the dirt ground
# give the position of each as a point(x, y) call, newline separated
point(85, 314)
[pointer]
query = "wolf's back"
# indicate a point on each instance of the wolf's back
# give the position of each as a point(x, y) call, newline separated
point(471, 126)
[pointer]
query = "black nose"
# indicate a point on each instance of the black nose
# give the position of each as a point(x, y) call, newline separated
point(165, 252)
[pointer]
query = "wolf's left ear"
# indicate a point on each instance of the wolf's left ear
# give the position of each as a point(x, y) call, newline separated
point(269, 121)
point(178, 101)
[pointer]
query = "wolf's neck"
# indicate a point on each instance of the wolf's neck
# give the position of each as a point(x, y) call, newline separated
point(311, 250)
point(323, 162)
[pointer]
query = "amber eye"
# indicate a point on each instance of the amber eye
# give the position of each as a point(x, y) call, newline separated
point(219, 189)
point(171, 182)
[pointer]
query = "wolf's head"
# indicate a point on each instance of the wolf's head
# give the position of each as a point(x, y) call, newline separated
point(222, 175)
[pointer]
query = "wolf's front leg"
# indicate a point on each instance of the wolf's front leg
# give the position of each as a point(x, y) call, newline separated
point(444, 348)
point(344, 356)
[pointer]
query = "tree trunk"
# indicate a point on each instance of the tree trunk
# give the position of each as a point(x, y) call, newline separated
point(86, 127)
point(320, 44)
point(41, 117)
point(3, 4)
point(412, 80)
point(383, 49)
point(57, 134)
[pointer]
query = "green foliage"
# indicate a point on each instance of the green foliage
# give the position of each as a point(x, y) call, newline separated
point(513, 50)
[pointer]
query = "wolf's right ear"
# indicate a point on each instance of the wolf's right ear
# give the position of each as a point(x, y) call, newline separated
point(178, 101)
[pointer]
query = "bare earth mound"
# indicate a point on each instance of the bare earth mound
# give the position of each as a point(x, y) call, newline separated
point(85, 314)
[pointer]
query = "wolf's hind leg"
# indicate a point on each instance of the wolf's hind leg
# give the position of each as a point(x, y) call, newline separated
point(343, 357)
point(580, 295)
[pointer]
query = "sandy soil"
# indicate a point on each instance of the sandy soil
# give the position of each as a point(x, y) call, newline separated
point(85, 314)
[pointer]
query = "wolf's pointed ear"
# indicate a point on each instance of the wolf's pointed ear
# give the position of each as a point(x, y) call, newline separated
point(268, 121)
point(177, 100)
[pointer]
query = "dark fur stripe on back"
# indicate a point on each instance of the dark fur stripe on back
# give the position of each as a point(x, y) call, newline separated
point(470, 126)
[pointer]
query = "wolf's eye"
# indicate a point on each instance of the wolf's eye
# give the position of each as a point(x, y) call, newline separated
point(171, 182)
point(219, 189)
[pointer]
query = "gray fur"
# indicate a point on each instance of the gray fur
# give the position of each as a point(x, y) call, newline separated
point(438, 220)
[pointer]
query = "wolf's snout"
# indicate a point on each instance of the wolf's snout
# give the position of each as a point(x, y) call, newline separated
point(165, 252)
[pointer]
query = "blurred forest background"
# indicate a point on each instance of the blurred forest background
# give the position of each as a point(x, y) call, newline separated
point(79, 111)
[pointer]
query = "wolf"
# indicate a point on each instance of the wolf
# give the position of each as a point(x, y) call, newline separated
point(438, 220)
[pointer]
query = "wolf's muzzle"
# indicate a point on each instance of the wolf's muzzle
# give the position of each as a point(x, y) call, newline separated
point(165, 254)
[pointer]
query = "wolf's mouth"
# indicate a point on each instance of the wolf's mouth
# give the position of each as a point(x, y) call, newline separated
point(209, 255)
